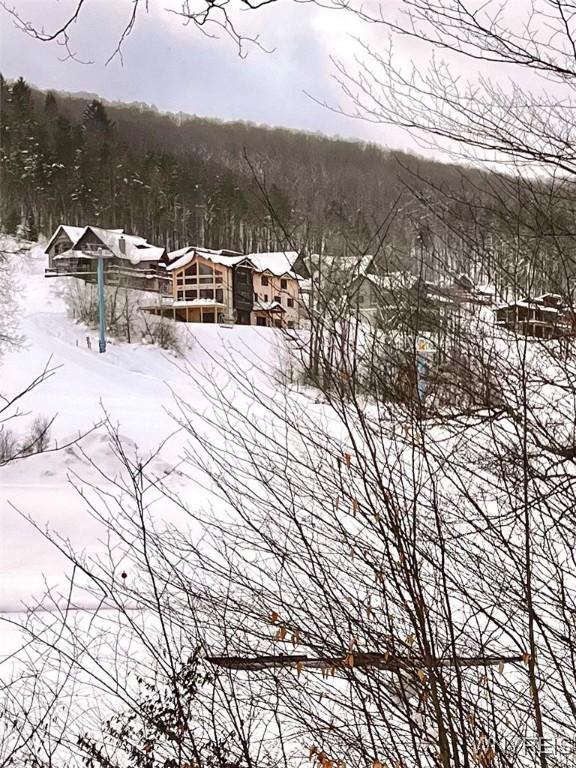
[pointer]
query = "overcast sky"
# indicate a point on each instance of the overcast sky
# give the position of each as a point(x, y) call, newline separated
point(176, 68)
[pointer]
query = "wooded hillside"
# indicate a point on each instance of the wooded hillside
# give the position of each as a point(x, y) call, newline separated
point(178, 180)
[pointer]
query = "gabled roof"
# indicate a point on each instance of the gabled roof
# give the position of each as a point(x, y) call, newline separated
point(278, 263)
point(525, 304)
point(184, 256)
point(129, 247)
point(72, 233)
point(554, 298)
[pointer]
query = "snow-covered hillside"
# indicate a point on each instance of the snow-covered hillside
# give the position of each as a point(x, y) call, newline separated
point(135, 385)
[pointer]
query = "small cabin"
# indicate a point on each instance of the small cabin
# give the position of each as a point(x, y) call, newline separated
point(542, 318)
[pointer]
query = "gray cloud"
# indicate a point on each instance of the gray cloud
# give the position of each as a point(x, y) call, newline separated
point(177, 69)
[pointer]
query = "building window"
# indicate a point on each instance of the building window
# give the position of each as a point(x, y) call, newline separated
point(290, 303)
point(278, 323)
point(265, 297)
point(283, 284)
point(264, 279)
point(255, 297)
point(277, 298)
point(182, 295)
point(205, 280)
point(261, 321)
point(290, 323)
point(208, 317)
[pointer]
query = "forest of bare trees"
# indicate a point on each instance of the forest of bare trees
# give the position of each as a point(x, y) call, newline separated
point(180, 180)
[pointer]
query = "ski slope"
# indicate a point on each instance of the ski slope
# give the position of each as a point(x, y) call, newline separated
point(136, 385)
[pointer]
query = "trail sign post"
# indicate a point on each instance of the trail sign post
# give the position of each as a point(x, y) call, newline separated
point(424, 353)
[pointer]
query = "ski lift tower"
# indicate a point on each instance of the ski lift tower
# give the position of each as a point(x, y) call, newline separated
point(100, 254)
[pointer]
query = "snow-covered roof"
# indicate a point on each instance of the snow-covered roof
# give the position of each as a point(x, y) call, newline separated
point(268, 306)
point(129, 247)
point(554, 297)
point(524, 304)
point(326, 264)
point(73, 234)
point(391, 281)
point(183, 257)
point(277, 263)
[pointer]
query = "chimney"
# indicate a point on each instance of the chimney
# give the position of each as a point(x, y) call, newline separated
point(122, 244)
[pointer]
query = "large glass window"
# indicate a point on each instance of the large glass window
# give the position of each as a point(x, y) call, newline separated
point(182, 295)
point(205, 280)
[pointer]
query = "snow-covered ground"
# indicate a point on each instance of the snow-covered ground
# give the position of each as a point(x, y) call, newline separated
point(135, 384)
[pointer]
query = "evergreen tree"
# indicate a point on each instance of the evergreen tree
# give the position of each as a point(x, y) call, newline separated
point(50, 105)
point(22, 97)
point(95, 119)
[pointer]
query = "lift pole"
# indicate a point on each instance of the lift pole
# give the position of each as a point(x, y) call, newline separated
point(101, 306)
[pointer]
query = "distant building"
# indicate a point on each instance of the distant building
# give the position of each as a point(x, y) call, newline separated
point(543, 317)
point(129, 260)
point(211, 286)
point(326, 278)
point(276, 289)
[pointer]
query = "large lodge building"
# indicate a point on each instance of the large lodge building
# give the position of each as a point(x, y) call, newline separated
point(193, 284)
